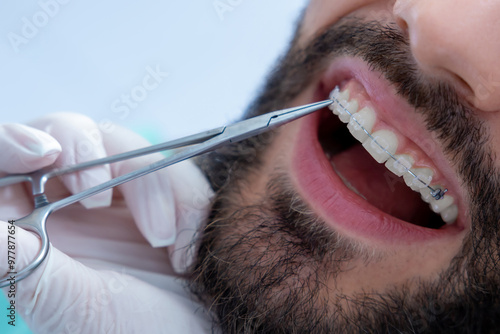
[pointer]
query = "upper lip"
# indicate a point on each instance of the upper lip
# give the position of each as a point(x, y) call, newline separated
point(396, 112)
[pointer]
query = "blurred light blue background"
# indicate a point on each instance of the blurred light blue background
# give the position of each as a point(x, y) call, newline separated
point(88, 54)
point(95, 57)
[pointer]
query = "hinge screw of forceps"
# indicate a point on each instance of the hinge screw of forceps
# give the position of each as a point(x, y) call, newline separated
point(41, 200)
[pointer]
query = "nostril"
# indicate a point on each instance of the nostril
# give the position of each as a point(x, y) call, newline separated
point(402, 13)
point(462, 86)
point(403, 25)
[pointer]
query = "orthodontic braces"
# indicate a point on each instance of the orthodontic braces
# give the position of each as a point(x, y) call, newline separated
point(437, 193)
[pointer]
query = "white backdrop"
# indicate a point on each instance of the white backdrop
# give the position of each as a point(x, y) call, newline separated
point(163, 68)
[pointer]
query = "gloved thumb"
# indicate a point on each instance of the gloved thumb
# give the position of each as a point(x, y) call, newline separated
point(81, 141)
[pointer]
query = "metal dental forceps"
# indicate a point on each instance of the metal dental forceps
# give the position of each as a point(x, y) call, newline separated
point(188, 147)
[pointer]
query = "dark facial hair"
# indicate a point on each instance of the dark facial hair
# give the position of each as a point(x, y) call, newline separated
point(262, 268)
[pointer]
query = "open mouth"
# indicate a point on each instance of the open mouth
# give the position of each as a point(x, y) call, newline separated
point(370, 180)
point(382, 191)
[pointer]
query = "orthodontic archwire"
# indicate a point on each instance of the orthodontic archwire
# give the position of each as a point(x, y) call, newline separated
point(437, 193)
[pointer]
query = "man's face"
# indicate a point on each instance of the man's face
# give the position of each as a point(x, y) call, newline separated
point(310, 234)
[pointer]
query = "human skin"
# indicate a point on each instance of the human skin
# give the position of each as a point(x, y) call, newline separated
point(451, 43)
point(439, 53)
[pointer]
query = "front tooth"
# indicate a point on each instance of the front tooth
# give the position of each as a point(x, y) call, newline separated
point(423, 174)
point(364, 118)
point(450, 214)
point(440, 205)
point(340, 97)
point(383, 140)
point(401, 165)
point(334, 94)
point(351, 107)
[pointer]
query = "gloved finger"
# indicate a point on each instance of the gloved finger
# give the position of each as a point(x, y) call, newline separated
point(15, 202)
point(81, 141)
point(193, 196)
point(25, 149)
point(150, 198)
point(63, 295)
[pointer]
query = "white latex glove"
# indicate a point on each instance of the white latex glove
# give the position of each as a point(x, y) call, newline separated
point(86, 284)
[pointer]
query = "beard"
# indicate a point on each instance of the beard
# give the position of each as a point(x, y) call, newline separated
point(264, 267)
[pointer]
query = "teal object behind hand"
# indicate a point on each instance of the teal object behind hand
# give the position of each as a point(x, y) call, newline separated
point(19, 328)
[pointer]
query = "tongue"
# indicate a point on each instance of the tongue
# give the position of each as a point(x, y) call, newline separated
point(379, 186)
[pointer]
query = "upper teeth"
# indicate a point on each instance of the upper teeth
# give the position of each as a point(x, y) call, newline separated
point(382, 146)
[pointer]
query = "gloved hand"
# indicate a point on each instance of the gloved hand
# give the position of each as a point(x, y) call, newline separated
point(108, 269)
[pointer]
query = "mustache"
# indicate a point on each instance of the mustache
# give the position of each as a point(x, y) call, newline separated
point(385, 49)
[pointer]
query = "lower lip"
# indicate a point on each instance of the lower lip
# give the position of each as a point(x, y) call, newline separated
point(342, 209)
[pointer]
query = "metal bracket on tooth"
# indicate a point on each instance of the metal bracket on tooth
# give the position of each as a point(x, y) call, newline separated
point(438, 193)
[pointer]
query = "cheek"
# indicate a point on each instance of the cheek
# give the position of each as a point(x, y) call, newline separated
point(492, 121)
point(322, 13)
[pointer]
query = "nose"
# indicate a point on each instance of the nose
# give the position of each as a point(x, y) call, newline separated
point(458, 39)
